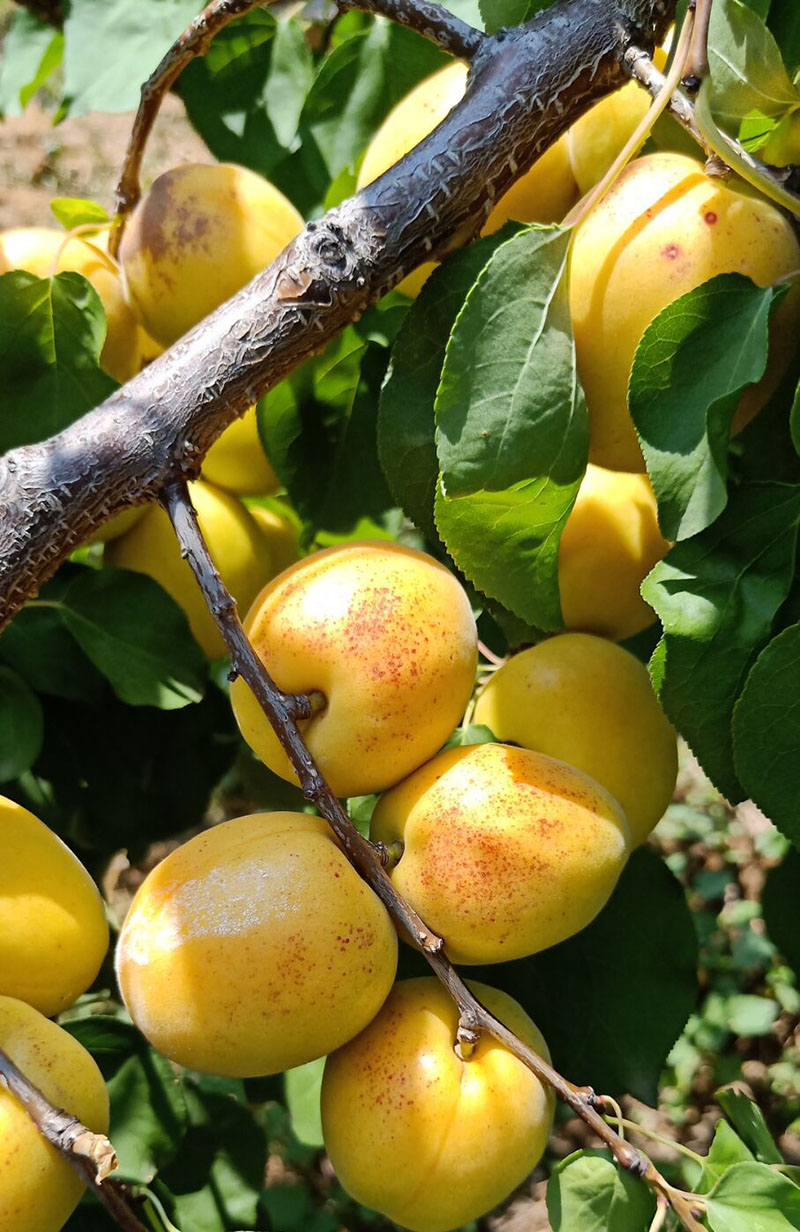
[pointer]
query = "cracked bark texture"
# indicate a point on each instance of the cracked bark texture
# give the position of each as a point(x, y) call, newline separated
point(526, 86)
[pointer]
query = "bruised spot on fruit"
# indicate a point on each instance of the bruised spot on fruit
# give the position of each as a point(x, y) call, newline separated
point(710, 217)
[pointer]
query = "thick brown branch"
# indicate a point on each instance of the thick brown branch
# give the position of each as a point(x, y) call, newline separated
point(428, 19)
point(91, 1155)
point(525, 89)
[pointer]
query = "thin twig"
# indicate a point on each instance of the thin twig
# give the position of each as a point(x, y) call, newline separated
point(474, 1018)
point(194, 41)
point(90, 1154)
point(430, 20)
point(697, 60)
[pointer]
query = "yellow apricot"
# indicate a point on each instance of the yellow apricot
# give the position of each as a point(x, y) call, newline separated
point(237, 462)
point(198, 236)
point(609, 545)
point(663, 229)
point(255, 947)
point(44, 251)
point(118, 525)
point(388, 636)
point(421, 1136)
point(53, 931)
point(38, 1188)
point(281, 534)
point(238, 549)
point(544, 194)
point(504, 851)
point(589, 703)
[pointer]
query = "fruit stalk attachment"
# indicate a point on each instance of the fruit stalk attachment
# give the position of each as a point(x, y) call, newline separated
point(90, 1154)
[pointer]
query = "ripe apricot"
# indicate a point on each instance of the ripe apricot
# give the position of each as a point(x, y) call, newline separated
point(38, 1188)
point(237, 462)
point(198, 236)
point(238, 549)
point(255, 947)
point(414, 1132)
point(610, 543)
point(544, 194)
point(663, 229)
point(504, 851)
point(44, 251)
point(589, 703)
point(53, 931)
point(388, 636)
point(281, 534)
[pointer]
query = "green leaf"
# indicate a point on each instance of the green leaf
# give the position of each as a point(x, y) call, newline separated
point(291, 74)
point(512, 431)
point(779, 901)
point(77, 212)
point(598, 1030)
point(41, 649)
point(406, 420)
point(112, 46)
point(747, 69)
point(137, 636)
point(302, 1087)
point(726, 1150)
point(52, 331)
point(784, 22)
point(748, 1119)
point(749, 1015)
point(32, 51)
point(690, 368)
point(766, 732)
point(753, 1198)
point(21, 726)
point(794, 420)
point(717, 595)
point(588, 1192)
point(500, 14)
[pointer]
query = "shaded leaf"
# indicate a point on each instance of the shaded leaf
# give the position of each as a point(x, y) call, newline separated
point(748, 1120)
point(588, 1192)
point(779, 900)
point(303, 1086)
point(747, 69)
point(726, 1150)
point(32, 51)
point(21, 726)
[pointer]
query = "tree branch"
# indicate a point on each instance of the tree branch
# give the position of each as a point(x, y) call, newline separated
point(48, 11)
point(91, 1155)
point(428, 19)
point(525, 89)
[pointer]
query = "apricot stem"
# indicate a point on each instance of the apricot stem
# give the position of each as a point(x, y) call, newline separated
point(430, 20)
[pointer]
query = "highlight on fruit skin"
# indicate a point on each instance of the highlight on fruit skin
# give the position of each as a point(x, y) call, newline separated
point(39, 1189)
point(505, 852)
point(53, 930)
point(664, 229)
point(387, 635)
point(237, 546)
point(255, 947)
point(425, 1138)
point(44, 251)
point(196, 238)
point(544, 194)
point(237, 462)
point(608, 546)
point(589, 703)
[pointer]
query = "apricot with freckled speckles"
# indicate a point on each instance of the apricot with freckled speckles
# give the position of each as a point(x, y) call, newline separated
point(415, 1132)
point(388, 636)
point(255, 947)
point(504, 851)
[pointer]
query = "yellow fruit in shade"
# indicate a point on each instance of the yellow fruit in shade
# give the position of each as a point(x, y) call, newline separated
point(118, 525)
point(53, 931)
point(198, 236)
point(663, 229)
point(281, 534)
point(237, 462)
point(428, 1140)
point(505, 852)
point(39, 1190)
point(609, 545)
point(589, 703)
point(237, 547)
point(255, 947)
point(388, 636)
point(544, 194)
point(44, 251)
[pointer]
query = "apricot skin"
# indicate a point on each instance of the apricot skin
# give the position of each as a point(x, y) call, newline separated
point(238, 549)
point(198, 236)
point(38, 1188)
point(505, 851)
point(609, 545)
point(53, 931)
point(662, 230)
point(388, 636)
point(255, 947)
point(544, 194)
point(237, 462)
point(280, 533)
point(421, 1136)
point(589, 703)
